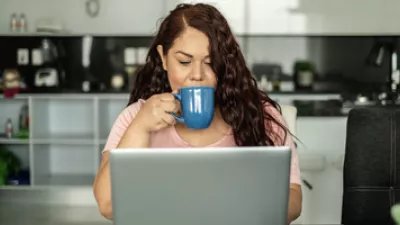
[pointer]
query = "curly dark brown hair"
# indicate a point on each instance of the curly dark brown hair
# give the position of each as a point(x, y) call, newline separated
point(241, 103)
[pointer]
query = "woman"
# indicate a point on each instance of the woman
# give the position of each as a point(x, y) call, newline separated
point(195, 46)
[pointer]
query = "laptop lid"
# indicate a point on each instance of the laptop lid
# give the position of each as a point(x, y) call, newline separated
point(198, 186)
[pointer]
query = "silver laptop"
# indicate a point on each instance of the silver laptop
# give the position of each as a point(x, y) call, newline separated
point(200, 186)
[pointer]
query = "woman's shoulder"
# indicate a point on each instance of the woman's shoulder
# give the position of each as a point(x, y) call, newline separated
point(134, 107)
point(273, 110)
point(284, 114)
point(131, 110)
point(121, 123)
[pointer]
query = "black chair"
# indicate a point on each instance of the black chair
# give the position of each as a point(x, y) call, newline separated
point(371, 174)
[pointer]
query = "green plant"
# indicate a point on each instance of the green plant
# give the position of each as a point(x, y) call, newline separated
point(3, 172)
point(302, 65)
point(10, 164)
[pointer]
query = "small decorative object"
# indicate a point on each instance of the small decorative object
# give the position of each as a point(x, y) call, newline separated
point(264, 84)
point(304, 75)
point(92, 8)
point(13, 22)
point(23, 26)
point(12, 83)
point(117, 82)
point(9, 128)
point(23, 125)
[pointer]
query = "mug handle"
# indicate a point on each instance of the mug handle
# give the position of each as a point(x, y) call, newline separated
point(179, 119)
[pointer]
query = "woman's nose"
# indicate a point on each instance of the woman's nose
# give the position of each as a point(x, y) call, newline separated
point(197, 73)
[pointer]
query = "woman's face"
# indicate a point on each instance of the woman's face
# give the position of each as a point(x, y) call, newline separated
point(188, 62)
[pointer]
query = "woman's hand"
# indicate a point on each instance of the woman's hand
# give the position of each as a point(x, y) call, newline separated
point(155, 114)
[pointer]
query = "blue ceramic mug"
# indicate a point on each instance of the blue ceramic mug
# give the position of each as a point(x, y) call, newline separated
point(197, 106)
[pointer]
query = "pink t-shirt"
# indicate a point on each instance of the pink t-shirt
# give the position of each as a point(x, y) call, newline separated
point(169, 138)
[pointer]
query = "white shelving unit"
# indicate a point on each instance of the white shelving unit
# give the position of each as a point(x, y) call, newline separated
point(109, 109)
point(68, 133)
point(66, 137)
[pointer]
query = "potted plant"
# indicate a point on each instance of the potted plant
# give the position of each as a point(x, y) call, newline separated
point(304, 75)
point(9, 165)
point(3, 172)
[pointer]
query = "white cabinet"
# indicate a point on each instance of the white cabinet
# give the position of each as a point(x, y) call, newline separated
point(268, 17)
point(323, 17)
point(117, 17)
point(343, 17)
point(62, 122)
point(66, 136)
point(120, 17)
point(254, 17)
point(109, 109)
point(233, 11)
point(393, 17)
point(326, 137)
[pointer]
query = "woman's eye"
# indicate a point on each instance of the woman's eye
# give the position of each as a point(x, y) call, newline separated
point(184, 62)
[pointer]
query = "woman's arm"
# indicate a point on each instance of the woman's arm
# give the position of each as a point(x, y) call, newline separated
point(295, 199)
point(102, 184)
point(295, 192)
point(132, 129)
point(124, 133)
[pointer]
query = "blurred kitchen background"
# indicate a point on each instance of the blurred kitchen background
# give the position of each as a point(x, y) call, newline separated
point(73, 63)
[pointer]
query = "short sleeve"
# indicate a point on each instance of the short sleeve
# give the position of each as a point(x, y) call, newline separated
point(294, 168)
point(121, 124)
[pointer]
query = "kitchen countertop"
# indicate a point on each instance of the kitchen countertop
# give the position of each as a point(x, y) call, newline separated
point(321, 112)
point(319, 108)
point(35, 214)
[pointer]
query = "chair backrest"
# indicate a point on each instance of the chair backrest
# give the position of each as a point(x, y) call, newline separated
point(370, 172)
point(289, 114)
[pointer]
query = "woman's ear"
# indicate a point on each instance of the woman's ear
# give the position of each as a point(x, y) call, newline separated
point(162, 56)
